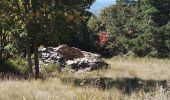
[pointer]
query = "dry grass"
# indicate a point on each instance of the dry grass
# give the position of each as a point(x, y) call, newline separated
point(126, 79)
point(145, 68)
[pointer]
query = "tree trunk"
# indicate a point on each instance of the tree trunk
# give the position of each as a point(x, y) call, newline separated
point(30, 70)
point(36, 59)
point(1, 48)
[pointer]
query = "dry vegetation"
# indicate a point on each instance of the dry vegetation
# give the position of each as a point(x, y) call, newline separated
point(125, 79)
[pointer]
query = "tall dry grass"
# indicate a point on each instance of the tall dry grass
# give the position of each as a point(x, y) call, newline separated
point(125, 79)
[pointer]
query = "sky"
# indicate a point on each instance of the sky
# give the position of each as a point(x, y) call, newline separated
point(99, 4)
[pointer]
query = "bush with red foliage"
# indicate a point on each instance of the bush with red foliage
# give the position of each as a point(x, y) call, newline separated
point(102, 38)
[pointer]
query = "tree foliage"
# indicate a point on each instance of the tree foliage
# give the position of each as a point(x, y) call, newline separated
point(141, 27)
point(138, 26)
point(27, 24)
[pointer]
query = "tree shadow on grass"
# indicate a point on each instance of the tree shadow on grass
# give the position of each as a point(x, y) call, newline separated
point(126, 85)
point(9, 71)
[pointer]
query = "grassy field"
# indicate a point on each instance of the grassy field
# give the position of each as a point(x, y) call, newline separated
point(125, 79)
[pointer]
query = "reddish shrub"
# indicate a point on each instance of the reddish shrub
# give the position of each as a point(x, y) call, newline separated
point(102, 38)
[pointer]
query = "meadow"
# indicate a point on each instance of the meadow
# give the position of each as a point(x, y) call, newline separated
point(126, 78)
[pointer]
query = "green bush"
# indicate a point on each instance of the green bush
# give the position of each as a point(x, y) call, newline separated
point(14, 66)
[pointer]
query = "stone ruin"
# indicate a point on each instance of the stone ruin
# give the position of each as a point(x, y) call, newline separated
point(65, 55)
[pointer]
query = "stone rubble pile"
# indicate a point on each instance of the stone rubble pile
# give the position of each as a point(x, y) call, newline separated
point(70, 56)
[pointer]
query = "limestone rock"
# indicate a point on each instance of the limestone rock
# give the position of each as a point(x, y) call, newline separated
point(70, 56)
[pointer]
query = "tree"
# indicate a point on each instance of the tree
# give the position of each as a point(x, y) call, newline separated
point(120, 21)
point(28, 14)
point(6, 38)
point(56, 21)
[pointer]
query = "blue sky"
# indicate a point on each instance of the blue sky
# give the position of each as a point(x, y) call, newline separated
point(99, 4)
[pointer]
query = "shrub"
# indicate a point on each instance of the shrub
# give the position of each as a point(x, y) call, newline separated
point(14, 67)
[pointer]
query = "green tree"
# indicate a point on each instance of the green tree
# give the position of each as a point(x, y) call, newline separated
point(43, 22)
point(6, 39)
point(138, 26)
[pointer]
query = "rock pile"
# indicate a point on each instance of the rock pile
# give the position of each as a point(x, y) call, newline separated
point(70, 56)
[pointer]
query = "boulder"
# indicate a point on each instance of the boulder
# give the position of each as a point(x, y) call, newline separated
point(70, 56)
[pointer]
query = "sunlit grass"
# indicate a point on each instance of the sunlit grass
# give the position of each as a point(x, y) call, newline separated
point(125, 79)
